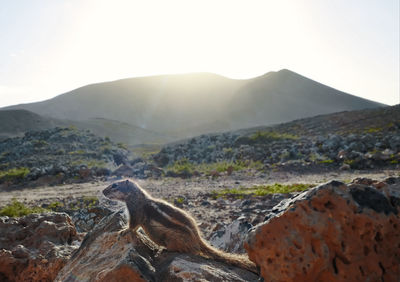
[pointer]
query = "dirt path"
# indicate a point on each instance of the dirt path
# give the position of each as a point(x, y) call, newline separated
point(170, 188)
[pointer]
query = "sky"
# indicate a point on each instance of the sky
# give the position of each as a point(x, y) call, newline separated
point(51, 47)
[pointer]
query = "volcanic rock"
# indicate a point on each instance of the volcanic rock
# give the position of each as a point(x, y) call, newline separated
point(110, 252)
point(332, 232)
point(35, 247)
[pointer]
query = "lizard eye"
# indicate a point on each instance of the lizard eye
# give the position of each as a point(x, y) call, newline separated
point(114, 186)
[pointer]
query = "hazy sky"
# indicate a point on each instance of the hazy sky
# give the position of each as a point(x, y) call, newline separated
point(51, 47)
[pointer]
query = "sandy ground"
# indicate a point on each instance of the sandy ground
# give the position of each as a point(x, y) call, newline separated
point(170, 188)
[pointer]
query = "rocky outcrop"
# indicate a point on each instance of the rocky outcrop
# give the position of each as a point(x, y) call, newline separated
point(353, 140)
point(58, 154)
point(230, 238)
point(334, 232)
point(35, 247)
point(111, 253)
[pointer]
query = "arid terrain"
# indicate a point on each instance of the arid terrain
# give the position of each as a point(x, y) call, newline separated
point(232, 183)
point(171, 188)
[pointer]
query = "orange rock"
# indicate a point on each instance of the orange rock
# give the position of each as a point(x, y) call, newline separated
point(112, 253)
point(332, 232)
point(379, 185)
point(35, 247)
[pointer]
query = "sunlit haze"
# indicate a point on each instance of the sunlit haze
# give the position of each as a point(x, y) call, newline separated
point(51, 47)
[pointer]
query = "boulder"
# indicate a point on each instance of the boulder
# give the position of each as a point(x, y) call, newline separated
point(230, 238)
point(124, 171)
point(86, 219)
point(185, 267)
point(110, 252)
point(332, 232)
point(35, 247)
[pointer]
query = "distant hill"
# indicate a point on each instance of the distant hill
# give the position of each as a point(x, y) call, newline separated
point(283, 96)
point(158, 103)
point(362, 139)
point(180, 106)
point(14, 123)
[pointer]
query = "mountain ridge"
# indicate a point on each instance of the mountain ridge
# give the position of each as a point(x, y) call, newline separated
point(183, 105)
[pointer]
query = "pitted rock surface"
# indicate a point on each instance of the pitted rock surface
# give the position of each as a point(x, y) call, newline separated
point(333, 232)
point(35, 247)
point(110, 252)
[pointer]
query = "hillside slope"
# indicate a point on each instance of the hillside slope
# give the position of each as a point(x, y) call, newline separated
point(283, 96)
point(158, 103)
point(357, 139)
point(15, 123)
point(189, 104)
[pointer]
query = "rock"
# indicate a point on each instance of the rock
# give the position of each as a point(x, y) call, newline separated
point(35, 247)
point(124, 171)
point(120, 157)
point(332, 232)
point(162, 158)
point(110, 252)
point(190, 268)
point(107, 254)
point(84, 173)
point(357, 146)
point(65, 153)
point(229, 170)
point(102, 171)
point(86, 219)
point(230, 238)
point(214, 174)
point(345, 167)
point(332, 143)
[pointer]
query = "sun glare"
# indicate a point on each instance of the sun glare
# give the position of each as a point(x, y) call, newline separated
point(75, 43)
point(179, 37)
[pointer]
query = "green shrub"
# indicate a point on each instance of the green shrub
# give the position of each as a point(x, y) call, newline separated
point(40, 143)
point(14, 174)
point(18, 209)
point(55, 205)
point(90, 163)
point(262, 136)
point(227, 150)
point(327, 161)
point(280, 188)
point(122, 146)
point(182, 166)
point(350, 162)
point(180, 200)
point(90, 202)
point(78, 152)
point(261, 190)
point(373, 130)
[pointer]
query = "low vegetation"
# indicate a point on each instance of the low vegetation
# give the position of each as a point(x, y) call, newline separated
point(262, 136)
point(14, 174)
point(261, 190)
point(185, 167)
point(146, 151)
point(18, 209)
point(90, 163)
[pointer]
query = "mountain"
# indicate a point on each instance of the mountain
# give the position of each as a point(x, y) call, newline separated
point(179, 106)
point(14, 123)
point(159, 103)
point(283, 96)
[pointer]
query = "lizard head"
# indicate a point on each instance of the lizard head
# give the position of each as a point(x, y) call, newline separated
point(121, 190)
